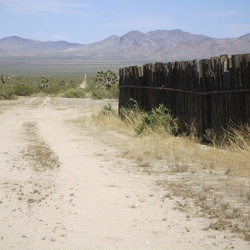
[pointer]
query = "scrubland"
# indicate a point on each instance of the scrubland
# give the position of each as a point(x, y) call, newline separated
point(209, 180)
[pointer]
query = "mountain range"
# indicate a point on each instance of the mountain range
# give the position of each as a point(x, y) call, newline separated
point(159, 45)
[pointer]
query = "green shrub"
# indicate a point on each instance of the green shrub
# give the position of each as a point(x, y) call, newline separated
point(74, 93)
point(113, 92)
point(53, 89)
point(98, 94)
point(159, 119)
point(22, 89)
point(8, 94)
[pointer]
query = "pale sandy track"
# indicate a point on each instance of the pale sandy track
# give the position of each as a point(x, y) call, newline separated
point(62, 188)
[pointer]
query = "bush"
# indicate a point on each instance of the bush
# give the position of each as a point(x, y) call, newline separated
point(22, 89)
point(113, 92)
point(159, 119)
point(74, 93)
point(9, 94)
point(98, 94)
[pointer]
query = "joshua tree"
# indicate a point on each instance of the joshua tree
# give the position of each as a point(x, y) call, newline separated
point(106, 79)
point(44, 83)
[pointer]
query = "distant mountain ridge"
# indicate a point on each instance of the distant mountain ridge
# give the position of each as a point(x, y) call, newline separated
point(158, 45)
point(17, 46)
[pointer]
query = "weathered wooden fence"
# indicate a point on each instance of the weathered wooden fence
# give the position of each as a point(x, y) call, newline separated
point(204, 94)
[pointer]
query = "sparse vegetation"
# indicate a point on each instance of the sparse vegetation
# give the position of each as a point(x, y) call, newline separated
point(38, 152)
point(215, 177)
point(158, 139)
point(57, 86)
point(98, 94)
point(235, 141)
point(22, 89)
point(213, 180)
point(9, 94)
point(103, 86)
point(27, 86)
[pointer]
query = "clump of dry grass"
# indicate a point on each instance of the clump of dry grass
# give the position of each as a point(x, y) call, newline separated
point(109, 119)
point(236, 142)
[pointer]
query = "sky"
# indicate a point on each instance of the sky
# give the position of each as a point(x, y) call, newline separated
point(88, 21)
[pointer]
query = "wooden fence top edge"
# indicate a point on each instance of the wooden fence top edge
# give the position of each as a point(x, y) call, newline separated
point(247, 55)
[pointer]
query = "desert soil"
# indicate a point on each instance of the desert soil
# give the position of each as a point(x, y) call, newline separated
point(63, 187)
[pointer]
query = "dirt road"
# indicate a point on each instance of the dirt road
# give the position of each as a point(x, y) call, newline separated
point(63, 188)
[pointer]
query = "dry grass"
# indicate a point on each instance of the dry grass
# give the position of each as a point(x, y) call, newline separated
point(230, 156)
point(40, 155)
point(40, 159)
point(109, 120)
point(213, 181)
point(236, 143)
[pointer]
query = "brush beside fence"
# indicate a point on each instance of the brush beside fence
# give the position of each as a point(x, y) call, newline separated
point(204, 94)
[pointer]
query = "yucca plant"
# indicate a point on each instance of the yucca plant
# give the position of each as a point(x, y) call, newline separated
point(106, 79)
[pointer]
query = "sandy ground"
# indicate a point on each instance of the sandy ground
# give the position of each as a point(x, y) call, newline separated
point(63, 188)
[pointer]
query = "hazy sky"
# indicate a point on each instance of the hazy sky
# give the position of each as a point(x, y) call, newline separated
point(87, 21)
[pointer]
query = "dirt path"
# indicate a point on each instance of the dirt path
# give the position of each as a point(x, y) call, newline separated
point(62, 188)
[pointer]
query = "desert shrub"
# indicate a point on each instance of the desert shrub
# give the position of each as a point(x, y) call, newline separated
point(157, 120)
point(74, 93)
point(113, 92)
point(8, 94)
point(53, 89)
point(108, 111)
point(98, 94)
point(22, 89)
